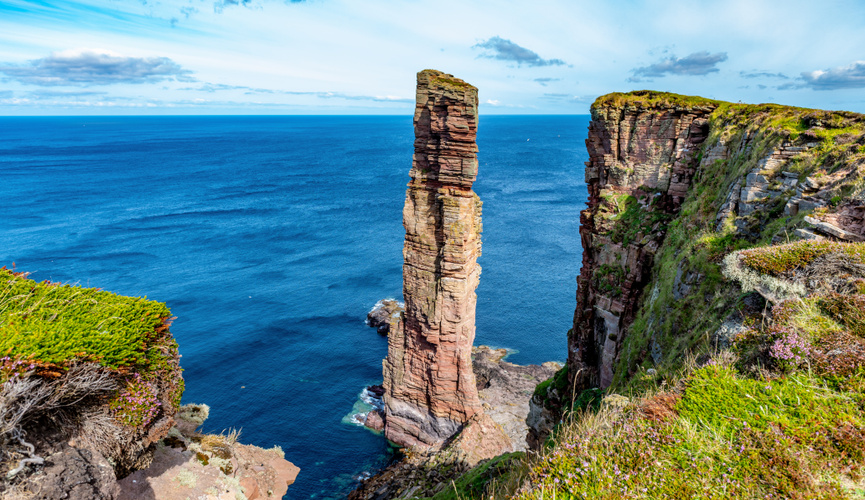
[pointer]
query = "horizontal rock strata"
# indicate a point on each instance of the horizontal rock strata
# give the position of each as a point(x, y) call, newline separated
point(641, 163)
point(430, 387)
point(645, 148)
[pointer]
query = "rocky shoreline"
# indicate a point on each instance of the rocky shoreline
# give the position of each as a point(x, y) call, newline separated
point(505, 390)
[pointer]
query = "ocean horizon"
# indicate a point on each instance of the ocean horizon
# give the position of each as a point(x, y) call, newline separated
point(271, 237)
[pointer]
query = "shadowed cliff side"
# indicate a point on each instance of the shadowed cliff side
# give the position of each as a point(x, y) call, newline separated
point(431, 393)
point(642, 163)
point(762, 174)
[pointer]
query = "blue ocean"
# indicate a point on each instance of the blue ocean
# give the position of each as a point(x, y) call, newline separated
point(270, 238)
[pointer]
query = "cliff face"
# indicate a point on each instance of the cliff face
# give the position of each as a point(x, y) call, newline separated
point(430, 388)
point(690, 252)
point(676, 183)
point(642, 160)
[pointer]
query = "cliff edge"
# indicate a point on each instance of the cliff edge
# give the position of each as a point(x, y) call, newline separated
point(676, 183)
point(91, 388)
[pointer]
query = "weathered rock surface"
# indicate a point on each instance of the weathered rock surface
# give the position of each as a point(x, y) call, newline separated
point(184, 465)
point(385, 315)
point(192, 465)
point(505, 390)
point(430, 387)
point(71, 473)
point(638, 155)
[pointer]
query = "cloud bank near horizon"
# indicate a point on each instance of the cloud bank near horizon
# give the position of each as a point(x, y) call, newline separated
point(84, 67)
point(696, 64)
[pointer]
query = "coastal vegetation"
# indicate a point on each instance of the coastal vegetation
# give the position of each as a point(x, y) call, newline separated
point(84, 364)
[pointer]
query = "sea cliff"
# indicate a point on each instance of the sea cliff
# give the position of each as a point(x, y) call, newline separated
point(717, 347)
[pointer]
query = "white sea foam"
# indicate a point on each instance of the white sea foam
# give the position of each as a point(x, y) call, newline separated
point(371, 399)
point(365, 402)
point(378, 305)
point(358, 419)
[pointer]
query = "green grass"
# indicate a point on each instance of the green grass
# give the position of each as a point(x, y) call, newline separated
point(779, 259)
point(447, 81)
point(609, 279)
point(652, 99)
point(799, 404)
point(52, 324)
point(474, 484)
point(725, 436)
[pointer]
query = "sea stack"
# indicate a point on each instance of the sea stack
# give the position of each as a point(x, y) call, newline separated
point(430, 388)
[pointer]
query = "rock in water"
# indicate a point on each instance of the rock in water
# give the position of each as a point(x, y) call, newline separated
point(430, 388)
point(384, 315)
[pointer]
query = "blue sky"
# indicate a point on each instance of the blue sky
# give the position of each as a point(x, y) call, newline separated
point(360, 57)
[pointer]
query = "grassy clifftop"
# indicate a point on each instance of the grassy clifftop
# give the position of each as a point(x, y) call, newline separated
point(52, 325)
point(652, 99)
point(82, 365)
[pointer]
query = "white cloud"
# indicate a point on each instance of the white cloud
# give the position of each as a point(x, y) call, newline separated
point(82, 67)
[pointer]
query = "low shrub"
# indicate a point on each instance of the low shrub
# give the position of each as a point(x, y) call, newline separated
point(779, 259)
point(51, 325)
point(848, 310)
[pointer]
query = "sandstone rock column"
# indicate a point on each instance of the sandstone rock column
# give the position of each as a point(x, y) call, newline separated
point(430, 388)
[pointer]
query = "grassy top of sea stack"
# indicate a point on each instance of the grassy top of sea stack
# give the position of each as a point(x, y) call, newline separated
point(51, 325)
point(445, 80)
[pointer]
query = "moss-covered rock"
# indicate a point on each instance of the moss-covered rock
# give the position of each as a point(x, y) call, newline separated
point(85, 366)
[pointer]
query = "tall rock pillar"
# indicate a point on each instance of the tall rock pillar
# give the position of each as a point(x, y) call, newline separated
point(430, 388)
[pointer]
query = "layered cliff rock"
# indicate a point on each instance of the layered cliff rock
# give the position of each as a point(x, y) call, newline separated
point(677, 182)
point(430, 388)
point(504, 390)
point(641, 166)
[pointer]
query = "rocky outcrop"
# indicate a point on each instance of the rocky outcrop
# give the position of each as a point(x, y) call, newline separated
point(650, 288)
point(430, 388)
point(385, 315)
point(86, 414)
point(642, 160)
point(505, 390)
point(188, 464)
